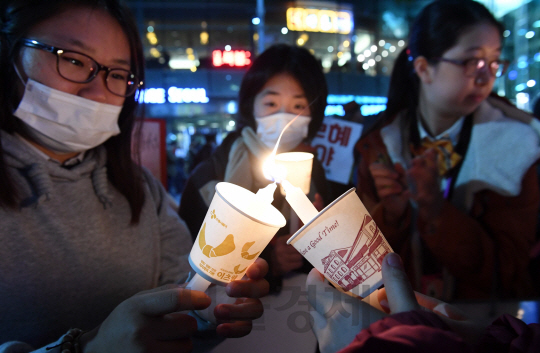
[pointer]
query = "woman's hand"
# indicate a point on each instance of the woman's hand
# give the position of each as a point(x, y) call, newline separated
point(151, 321)
point(424, 175)
point(390, 184)
point(339, 317)
point(318, 202)
point(235, 320)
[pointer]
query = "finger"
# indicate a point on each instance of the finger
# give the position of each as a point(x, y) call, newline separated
point(389, 191)
point(173, 326)
point(158, 289)
point(383, 300)
point(383, 182)
point(318, 202)
point(247, 309)
point(258, 269)
point(426, 301)
point(431, 154)
point(169, 300)
point(235, 329)
point(450, 312)
point(378, 170)
point(399, 168)
point(440, 307)
point(182, 345)
point(398, 287)
point(248, 288)
point(320, 294)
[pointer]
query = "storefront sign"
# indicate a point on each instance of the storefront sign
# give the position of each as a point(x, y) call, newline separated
point(232, 58)
point(315, 20)
point(172, 95)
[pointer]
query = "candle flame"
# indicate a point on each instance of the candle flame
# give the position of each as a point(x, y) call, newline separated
point(271, 170)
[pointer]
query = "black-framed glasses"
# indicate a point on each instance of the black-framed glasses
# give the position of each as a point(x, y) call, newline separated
point(80, 68)
point(471, 67)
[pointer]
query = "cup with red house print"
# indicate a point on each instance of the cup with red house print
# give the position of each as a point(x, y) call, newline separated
point(345, 245)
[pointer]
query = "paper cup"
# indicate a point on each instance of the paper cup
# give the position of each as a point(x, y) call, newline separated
point(298, 166)
point(344, 243)
point(236, 229)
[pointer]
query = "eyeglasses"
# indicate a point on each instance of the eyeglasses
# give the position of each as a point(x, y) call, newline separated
point(81, 68)
point(473, 66)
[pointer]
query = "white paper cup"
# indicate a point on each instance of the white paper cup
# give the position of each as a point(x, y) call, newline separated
point(345, 245)
point(236, 229)
point(298, 166)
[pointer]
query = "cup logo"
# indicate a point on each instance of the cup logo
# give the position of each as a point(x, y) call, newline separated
point(226, 247)
point(245, 254)
point(351, 266)
point(213, 216)
point(238, 271)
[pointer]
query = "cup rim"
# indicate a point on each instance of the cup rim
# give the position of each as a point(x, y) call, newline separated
point(278, 214)
point(301, 230)
point(307, 156)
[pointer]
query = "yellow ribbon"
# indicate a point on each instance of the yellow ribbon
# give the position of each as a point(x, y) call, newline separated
point(447, 158)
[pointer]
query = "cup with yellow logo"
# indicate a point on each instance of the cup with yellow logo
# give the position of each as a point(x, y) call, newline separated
point(236, 229)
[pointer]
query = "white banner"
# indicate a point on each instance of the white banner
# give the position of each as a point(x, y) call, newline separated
point(335, 143)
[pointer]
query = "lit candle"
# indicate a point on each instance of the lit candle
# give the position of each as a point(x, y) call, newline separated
point(299, 202)
point(266, 194)
point(295, 165)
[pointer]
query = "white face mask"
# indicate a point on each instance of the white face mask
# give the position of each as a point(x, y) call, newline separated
point(269, 128)
point(64, 122)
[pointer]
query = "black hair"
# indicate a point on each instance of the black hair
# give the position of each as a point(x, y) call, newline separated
point(436, 29)
point(17, 17)
point(295, 61)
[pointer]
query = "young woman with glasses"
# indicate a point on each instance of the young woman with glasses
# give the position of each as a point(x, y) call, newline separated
point(88, 239)
point(448, 172)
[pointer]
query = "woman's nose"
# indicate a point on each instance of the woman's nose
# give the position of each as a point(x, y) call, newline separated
point(483, 76)
point(96, 89)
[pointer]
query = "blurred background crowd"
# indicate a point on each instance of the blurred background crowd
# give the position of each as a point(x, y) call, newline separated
point(197, 53)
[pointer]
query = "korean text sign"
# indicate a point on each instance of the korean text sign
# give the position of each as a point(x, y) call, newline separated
point(334, 143)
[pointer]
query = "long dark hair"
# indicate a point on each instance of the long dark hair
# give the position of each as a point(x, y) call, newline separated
point(435, 30)
point(295, 61)
point(17, 18)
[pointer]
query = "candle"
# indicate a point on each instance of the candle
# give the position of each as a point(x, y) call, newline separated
point(198, 283)
point(266, 194)
point(299, 202)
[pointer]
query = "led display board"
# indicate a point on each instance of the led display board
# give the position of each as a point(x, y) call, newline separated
point(232, 58)
point(315, 20)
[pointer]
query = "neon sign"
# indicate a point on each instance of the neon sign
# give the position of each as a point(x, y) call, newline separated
point(313, 20)
point(172, 95)
point(233, 58)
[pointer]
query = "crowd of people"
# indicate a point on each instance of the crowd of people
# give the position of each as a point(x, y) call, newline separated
point(94, 255)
